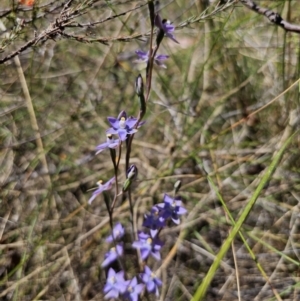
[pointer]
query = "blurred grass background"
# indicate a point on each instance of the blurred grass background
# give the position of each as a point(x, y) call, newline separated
point(227, 66)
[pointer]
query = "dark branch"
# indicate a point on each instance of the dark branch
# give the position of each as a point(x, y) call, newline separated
point(64, 20)
point(17, 52)
point(272, 16)
point(49, 33)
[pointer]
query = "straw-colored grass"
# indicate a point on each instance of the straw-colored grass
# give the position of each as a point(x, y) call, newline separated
point(219, 118)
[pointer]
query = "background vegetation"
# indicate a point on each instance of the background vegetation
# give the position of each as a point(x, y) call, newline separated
point(226, 103)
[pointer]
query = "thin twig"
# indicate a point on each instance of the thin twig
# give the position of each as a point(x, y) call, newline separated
point(272, 16)
point(57, 28)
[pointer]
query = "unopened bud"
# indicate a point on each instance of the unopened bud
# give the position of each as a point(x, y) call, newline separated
point(131, 176)
point(177, 186)
point(132, 172)
point(139, 85)
point(139, 88)
point(151, 11)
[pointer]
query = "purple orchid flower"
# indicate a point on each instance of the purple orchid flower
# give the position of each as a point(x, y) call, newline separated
point(166, 27)
point(148, 245)
point(110, 143)
point(117, 233)
point(154, 221)
point(133, 290)
point(112, 255)
point(101, 188)
point(158, 59)
point(115, 284)
point(122, 125)
point(171, 208)
point(151, 281)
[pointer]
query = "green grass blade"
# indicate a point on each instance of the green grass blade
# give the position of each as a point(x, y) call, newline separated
point(201, 291)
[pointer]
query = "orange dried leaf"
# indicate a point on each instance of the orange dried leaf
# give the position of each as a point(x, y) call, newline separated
point(27, 2)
